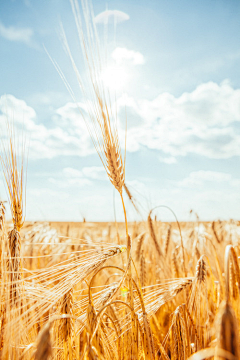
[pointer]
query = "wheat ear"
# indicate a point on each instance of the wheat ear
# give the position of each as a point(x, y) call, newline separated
point(67, 308)
point(167, 241)
point(139, 245)
point(14, 171)
point(43, 344)
point(201, 269)
point(175, 264)
point(153, 234)
point(227, 330)
point(215, 232)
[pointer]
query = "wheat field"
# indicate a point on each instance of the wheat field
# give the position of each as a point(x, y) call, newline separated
point(72, 298)
point(119, 290)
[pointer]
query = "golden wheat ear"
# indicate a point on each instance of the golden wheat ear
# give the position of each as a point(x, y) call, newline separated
point(14, 170)
point(13, 165)
point(100, 117)
point(227, 330)
point(153, 234)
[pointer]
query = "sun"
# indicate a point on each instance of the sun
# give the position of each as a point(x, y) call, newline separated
point(115, 77)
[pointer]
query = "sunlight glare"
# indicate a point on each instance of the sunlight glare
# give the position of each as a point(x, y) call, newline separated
point(115, 77)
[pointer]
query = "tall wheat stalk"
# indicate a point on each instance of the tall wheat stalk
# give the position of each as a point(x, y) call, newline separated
point(101, 118)
point(13, 165)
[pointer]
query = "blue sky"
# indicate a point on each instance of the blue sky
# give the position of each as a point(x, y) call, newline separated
point(178, 77)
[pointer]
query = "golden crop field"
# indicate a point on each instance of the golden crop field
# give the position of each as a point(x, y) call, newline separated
point(144, 290)
point(71, 295)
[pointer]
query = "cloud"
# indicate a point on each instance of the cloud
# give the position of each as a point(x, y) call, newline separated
point(198, 178)
point(95, 172)
point(13, 33)
point(168, 159)
point(121, 55)
point(18, 110)
point(66, 134)
point(71, 173)
point(69, 177)
point(136, 186)
point(64, 183)
point(116, 16)
point(74, 177)
point(205, 121)
point(43, 192)
point(88, 172)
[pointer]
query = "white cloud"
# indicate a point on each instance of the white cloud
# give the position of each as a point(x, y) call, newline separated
point(95, 172)
point(204, 122)
point(121, 55)
point(168, 159)
point(43, 192)
point(18, 110)
point(72, 173)
point(235, 183)
point(64, 183)
point(90, 172)
point(69, 177)
point(69, 118)
point(13, 33)
point(136, 186)
point(74, 177)
point(66, 135)
point(116, 16)
point(215, 176)
point(198, 178)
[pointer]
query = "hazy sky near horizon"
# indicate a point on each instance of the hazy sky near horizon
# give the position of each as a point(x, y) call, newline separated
point(175, 67)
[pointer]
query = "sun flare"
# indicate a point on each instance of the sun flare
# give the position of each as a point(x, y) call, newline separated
point(115, 77)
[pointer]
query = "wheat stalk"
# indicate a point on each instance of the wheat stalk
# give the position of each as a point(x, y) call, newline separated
point(175, 264)
point(153, 235)
point(43, 344)
point(227, 330)
point(66, 327)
